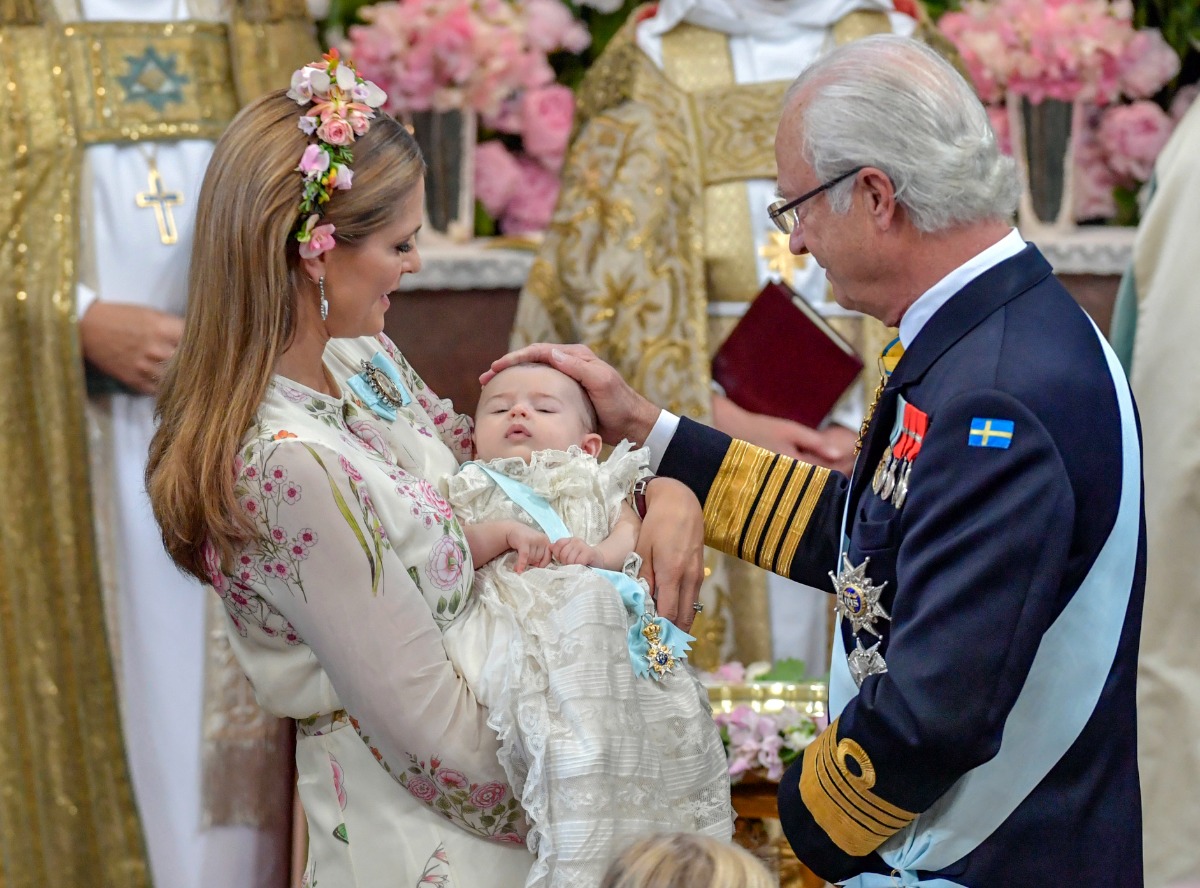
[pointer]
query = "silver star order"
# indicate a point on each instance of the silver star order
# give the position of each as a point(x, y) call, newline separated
point(857, 596)
point(865, 661)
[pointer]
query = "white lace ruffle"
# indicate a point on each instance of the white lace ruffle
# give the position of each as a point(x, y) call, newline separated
point(597, 756)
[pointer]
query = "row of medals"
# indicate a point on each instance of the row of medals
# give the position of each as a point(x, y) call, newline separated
point(890, 481)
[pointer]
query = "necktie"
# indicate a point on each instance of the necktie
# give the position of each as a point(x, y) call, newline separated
point(888, 359)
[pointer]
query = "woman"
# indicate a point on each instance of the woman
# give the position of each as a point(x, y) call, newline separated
point(289, 471)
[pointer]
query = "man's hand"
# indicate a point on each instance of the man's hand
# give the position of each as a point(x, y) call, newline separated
point(532, 546)
point(832, 447)
point(573, 550)
point(671, 544)
point(623, 413)
point(130, 343)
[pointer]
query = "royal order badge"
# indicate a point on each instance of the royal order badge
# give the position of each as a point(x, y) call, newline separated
point(858, 597)
point(865, 661)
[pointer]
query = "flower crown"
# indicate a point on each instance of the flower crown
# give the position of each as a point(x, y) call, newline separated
point(343, 106)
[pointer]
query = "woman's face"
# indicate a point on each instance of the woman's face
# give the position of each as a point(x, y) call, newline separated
point(359, 277)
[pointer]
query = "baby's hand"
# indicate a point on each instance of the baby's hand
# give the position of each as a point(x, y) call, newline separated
point(532, 546)
point(572, 550)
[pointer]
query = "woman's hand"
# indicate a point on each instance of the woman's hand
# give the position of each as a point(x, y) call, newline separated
point(671, 544)
point(831, 447)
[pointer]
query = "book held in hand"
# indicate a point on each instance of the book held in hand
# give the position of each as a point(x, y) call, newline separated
point(783, 359)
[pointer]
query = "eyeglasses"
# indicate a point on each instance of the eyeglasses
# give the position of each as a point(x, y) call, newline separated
point(786, 216)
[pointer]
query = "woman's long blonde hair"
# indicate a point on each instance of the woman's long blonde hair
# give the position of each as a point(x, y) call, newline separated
point(243, 284)
point(686, 860)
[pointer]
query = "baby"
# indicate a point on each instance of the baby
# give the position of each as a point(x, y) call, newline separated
point(603, 742)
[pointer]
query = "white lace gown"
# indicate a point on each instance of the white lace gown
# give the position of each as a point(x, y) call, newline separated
point(598, 756)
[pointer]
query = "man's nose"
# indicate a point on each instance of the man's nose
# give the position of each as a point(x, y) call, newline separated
point(796, 241)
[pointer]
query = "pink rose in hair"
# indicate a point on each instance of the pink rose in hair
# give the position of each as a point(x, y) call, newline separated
point(314, 160)
point(532, 204)
point(336, 131)
point(1132, 136)
point(546, 117)
point(496, 176)
point(1147, 65)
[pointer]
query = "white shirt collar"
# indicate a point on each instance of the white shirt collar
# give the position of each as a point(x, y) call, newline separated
point(939, 294)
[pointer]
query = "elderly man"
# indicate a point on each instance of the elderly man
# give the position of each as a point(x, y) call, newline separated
point(987, 552)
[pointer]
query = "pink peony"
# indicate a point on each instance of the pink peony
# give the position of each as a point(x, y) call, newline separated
point(446, 561)
point(1147, 65)
point(448, 778)
point(546, 117)
point(1131, 136)
point(496, 176)
point(532, 206)
point(550, 25)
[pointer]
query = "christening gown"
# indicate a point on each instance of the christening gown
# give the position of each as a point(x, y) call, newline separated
point(597, 755)
point(336, 610)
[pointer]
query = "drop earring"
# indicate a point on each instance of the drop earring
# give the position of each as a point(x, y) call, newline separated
point(324, 301)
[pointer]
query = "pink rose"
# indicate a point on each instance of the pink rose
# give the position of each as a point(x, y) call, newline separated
point(422, 788)
point(532, 206)
point(550, 26)
point(1132, 135)
point(315, 160)
point(336, 131)
point(1147, 65)
point(546, 117)
point(349, 469)
point(448, 778)
point(488, 796)
point(496, 176)
point(446, 561)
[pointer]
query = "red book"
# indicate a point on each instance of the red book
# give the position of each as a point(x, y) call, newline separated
point(783, 359)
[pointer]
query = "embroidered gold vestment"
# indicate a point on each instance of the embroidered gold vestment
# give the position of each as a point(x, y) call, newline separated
point(67, 814)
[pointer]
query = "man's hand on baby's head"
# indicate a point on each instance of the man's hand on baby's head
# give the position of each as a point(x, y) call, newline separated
point(532, 546)
point(572, 550)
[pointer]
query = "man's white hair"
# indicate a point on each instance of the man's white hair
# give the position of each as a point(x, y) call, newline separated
point(894, 104)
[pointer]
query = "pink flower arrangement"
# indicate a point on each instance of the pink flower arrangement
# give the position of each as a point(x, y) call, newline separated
point(442, 55)
point(1074, 50)
point(766, 741)
point(1057, 49)
point(489, 56)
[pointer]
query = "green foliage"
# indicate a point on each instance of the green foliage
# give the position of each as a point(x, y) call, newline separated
point(790, 671)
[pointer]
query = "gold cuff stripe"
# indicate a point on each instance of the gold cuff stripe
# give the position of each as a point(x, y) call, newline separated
point(840, 801)
point(733, 492)
point(785, 507)
point(764, 509)
point(817, 478)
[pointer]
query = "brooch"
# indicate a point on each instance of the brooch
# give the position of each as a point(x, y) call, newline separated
point(379, 387)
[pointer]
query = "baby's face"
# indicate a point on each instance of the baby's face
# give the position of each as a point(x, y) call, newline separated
point(528, 408)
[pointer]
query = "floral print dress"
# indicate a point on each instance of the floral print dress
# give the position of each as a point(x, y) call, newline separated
point(337, 609)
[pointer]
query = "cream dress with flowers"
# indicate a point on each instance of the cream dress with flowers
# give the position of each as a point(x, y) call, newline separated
point(598, 756)
point(337, 610)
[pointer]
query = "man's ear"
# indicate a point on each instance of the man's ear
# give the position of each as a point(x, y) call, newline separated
point(591, 444)
point(880, 197)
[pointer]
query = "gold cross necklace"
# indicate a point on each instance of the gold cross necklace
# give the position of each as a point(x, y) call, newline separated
point(158, 198)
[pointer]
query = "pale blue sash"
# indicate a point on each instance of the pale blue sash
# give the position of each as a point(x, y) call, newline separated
point(633, 595)
point(1055, 703)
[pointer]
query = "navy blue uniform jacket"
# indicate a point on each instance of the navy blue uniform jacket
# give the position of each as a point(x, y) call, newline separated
point(988, 548)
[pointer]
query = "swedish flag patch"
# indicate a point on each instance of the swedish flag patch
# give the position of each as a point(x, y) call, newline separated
point(987, 432)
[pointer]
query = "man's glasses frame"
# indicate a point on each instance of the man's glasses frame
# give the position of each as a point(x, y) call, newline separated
point(784, 215)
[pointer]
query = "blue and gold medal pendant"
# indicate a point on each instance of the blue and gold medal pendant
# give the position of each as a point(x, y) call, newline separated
point(660, 656)
point(858, 602)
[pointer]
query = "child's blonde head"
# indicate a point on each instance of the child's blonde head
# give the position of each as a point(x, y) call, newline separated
point(686, 860)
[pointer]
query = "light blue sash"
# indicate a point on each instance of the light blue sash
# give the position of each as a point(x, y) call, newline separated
point(633, 596)
point(1055, 703)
